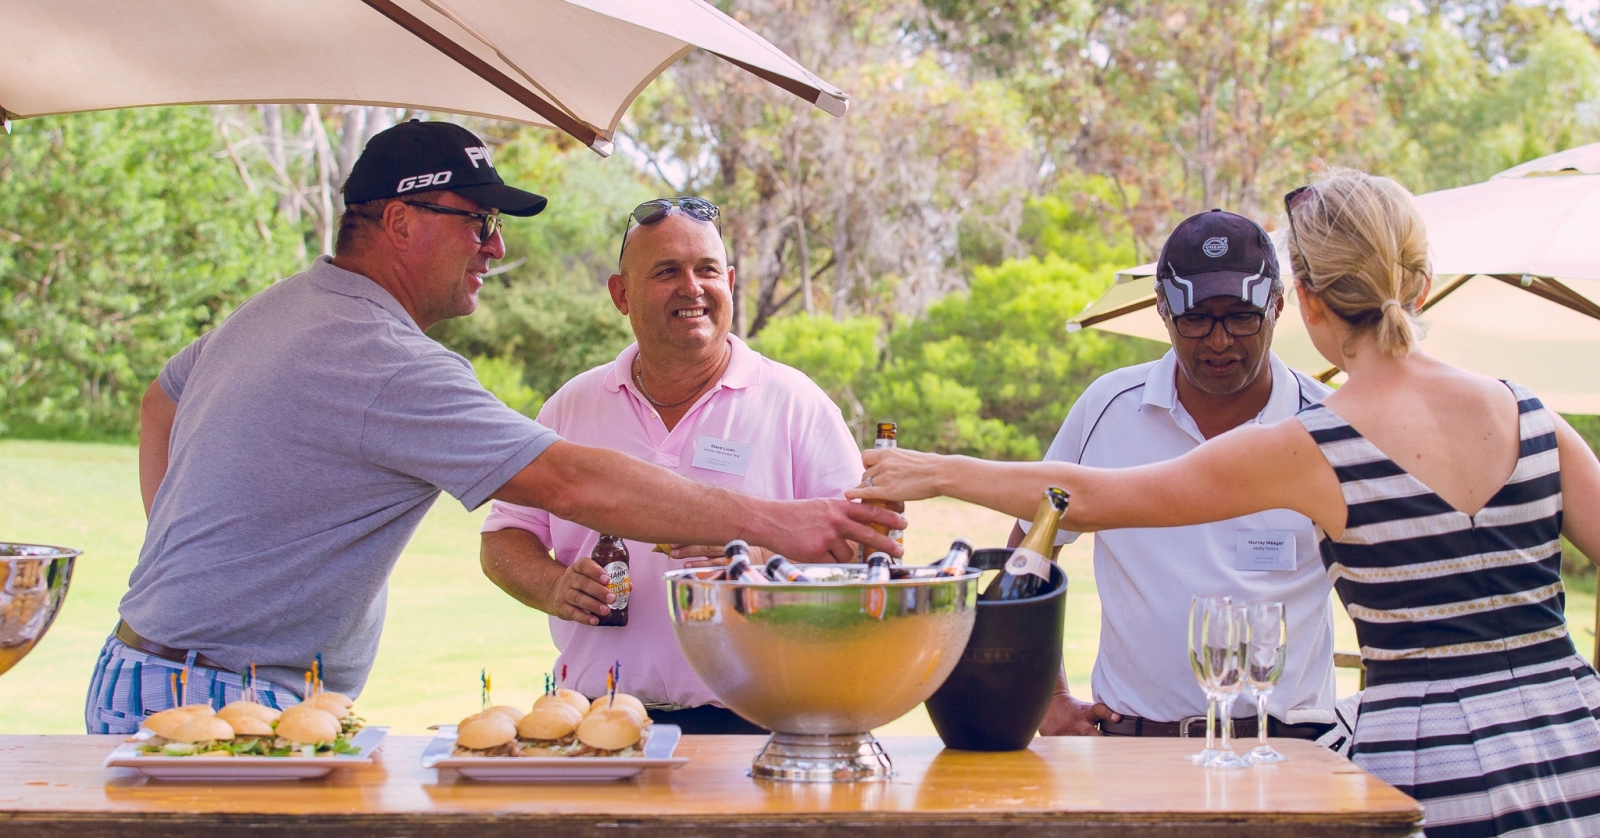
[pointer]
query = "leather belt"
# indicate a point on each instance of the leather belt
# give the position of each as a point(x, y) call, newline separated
point(132, 640)
point(1196, 726)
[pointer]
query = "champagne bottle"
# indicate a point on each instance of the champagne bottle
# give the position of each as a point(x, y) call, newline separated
point(955, 562)
point(1028, 570)
point(612, 556)
point(780, 569)
point(886, 438)
point(739, 567)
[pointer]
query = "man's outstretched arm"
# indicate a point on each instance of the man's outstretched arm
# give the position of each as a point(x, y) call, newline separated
point(614, 493)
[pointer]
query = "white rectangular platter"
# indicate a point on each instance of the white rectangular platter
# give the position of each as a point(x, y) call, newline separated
point(218, 769)
point(657, 754)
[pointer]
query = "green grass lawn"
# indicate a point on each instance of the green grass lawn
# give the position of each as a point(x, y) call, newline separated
point(446, 621)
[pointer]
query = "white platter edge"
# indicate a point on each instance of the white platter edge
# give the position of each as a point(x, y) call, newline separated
point(223, 769)
point(664, 738)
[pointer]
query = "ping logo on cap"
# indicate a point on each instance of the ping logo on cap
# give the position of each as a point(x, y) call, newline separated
point(424, 181)
point(1215, 247)
point(476, 153)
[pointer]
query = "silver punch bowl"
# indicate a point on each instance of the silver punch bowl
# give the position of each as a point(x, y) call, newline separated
point(822, 664)
point(33, 584)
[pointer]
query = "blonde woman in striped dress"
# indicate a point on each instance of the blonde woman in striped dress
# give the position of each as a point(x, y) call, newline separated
point(1441, 497)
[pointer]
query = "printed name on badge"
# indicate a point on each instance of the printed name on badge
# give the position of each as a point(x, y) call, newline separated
point(1264, 550)
point(724, 455)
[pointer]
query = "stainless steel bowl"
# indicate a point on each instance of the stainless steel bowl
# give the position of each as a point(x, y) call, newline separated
point(822, 664)
point(33, 584)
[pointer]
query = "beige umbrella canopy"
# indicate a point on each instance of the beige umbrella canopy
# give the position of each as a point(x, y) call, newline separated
point(575, 65)
point(1516, 290)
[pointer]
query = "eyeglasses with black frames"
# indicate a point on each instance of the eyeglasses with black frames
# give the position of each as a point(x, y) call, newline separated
point(653, 211)
point(488, 222)
point(1241, 324)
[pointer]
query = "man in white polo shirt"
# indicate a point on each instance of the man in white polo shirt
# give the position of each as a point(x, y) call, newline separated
point(694, 399)
point(1219, 293)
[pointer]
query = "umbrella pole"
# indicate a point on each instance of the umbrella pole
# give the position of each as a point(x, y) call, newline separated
point(5, 119)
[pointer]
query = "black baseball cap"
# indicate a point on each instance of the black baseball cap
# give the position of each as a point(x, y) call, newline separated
point(421, 156)
point(1216, 254)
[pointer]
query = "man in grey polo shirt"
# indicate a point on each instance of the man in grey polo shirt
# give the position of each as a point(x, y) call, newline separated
point(287, 456)
point(1219, 294)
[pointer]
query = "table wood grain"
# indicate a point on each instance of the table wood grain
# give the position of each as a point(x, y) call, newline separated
point(55, 786)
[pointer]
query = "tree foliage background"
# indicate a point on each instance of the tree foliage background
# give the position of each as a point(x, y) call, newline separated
point(918, 257)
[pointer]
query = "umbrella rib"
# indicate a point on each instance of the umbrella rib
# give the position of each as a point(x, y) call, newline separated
point(436, 39)
point(1549, 289)
point(1127, 309)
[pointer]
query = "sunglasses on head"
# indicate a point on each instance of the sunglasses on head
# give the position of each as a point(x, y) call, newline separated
point(1297, 197)
point(652, 212)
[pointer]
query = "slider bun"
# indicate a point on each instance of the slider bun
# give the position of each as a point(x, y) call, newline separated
point(166, 722)
point(248, 726)
point(486, 730)
point(304, 725)
point(248, 710)
point(331, 703)
point(511, 713)
point(201, 728)
point(609, 729)
point(344, 701)
point(572, 697)
point(623, 701)
point(551, 720)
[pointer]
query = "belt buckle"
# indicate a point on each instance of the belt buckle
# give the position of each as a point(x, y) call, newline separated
point(1185, 722)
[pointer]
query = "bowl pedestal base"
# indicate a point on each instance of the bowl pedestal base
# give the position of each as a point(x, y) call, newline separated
point(822, 758)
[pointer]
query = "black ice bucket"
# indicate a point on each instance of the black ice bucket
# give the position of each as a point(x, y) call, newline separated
point(1001, 689)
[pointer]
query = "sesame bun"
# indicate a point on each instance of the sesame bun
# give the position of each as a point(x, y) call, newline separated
point(331, 703)
point(166, 722)
point(304, 725)
point(551, 720)
point(248, 709)
point(572, 697)
point(201, 728)
point(485, 731)
point(512, 713)
point(609, 729)
point(623, 701)
point(247, 725)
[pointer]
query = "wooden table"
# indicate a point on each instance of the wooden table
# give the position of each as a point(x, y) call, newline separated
point(55, 786)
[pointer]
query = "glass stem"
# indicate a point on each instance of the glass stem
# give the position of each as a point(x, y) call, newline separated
point(1227, 714)
point(1211, 725)
point(1261, 718)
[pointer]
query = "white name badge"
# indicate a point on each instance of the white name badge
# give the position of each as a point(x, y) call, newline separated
point(722, 455)
point(1264, 550)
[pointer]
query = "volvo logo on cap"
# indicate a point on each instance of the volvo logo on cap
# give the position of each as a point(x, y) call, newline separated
point(1215, 246)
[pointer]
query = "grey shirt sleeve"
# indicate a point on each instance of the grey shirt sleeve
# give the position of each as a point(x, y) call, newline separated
point(435, 422)
point(175, 372)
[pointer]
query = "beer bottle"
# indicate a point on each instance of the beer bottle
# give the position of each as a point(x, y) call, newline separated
point(878, 568)
point(1028, 570)
point(955, 562)
point(886, 439)
point(780, 569)
point(612, 556)
point(739, 568)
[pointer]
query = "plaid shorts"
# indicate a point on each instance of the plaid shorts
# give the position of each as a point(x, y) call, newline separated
point(129, 685)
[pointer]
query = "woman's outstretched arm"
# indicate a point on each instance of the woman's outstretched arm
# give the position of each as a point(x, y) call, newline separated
point(1246, 470)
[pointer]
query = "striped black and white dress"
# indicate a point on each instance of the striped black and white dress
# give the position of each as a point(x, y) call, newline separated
point(1477, 704)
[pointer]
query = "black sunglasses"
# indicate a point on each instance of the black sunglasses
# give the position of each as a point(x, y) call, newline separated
point(1298, 196)
point(488, 222)
point(651, 212)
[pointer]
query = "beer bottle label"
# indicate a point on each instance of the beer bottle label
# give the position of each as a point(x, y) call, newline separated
point(617, 576)
point(1024, 560)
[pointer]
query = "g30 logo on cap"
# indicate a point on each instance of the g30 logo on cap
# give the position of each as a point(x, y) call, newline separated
point(1215, 247)
point(424, 181)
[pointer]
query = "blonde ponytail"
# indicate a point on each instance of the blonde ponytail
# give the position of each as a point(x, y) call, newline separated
point(1367, 247)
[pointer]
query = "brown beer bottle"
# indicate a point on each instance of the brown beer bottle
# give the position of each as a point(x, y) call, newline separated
point(886, 438)
point(612, 556)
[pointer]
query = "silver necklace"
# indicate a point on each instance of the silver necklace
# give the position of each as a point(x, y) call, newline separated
point(638, 379)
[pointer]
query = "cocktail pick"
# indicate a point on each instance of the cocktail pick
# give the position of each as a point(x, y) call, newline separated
point(309, 692)
point(563, 674)
point(318, 672)
point(483, 678)
point(252, 682)
point(175, 701)
point(611, 682)
point(183, 692)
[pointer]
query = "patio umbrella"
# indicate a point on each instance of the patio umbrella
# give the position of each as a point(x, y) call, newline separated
point(1516, 289)
point(575, 65)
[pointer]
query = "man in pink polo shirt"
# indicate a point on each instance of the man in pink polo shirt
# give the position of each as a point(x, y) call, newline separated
point(690, 397)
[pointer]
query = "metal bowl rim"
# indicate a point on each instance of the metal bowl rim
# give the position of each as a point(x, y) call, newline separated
point(687, 575)
point(57, 552)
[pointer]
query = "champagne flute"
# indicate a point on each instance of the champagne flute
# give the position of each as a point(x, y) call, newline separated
point(1269, 641)
point(1201, 607)
point(1226, 638)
